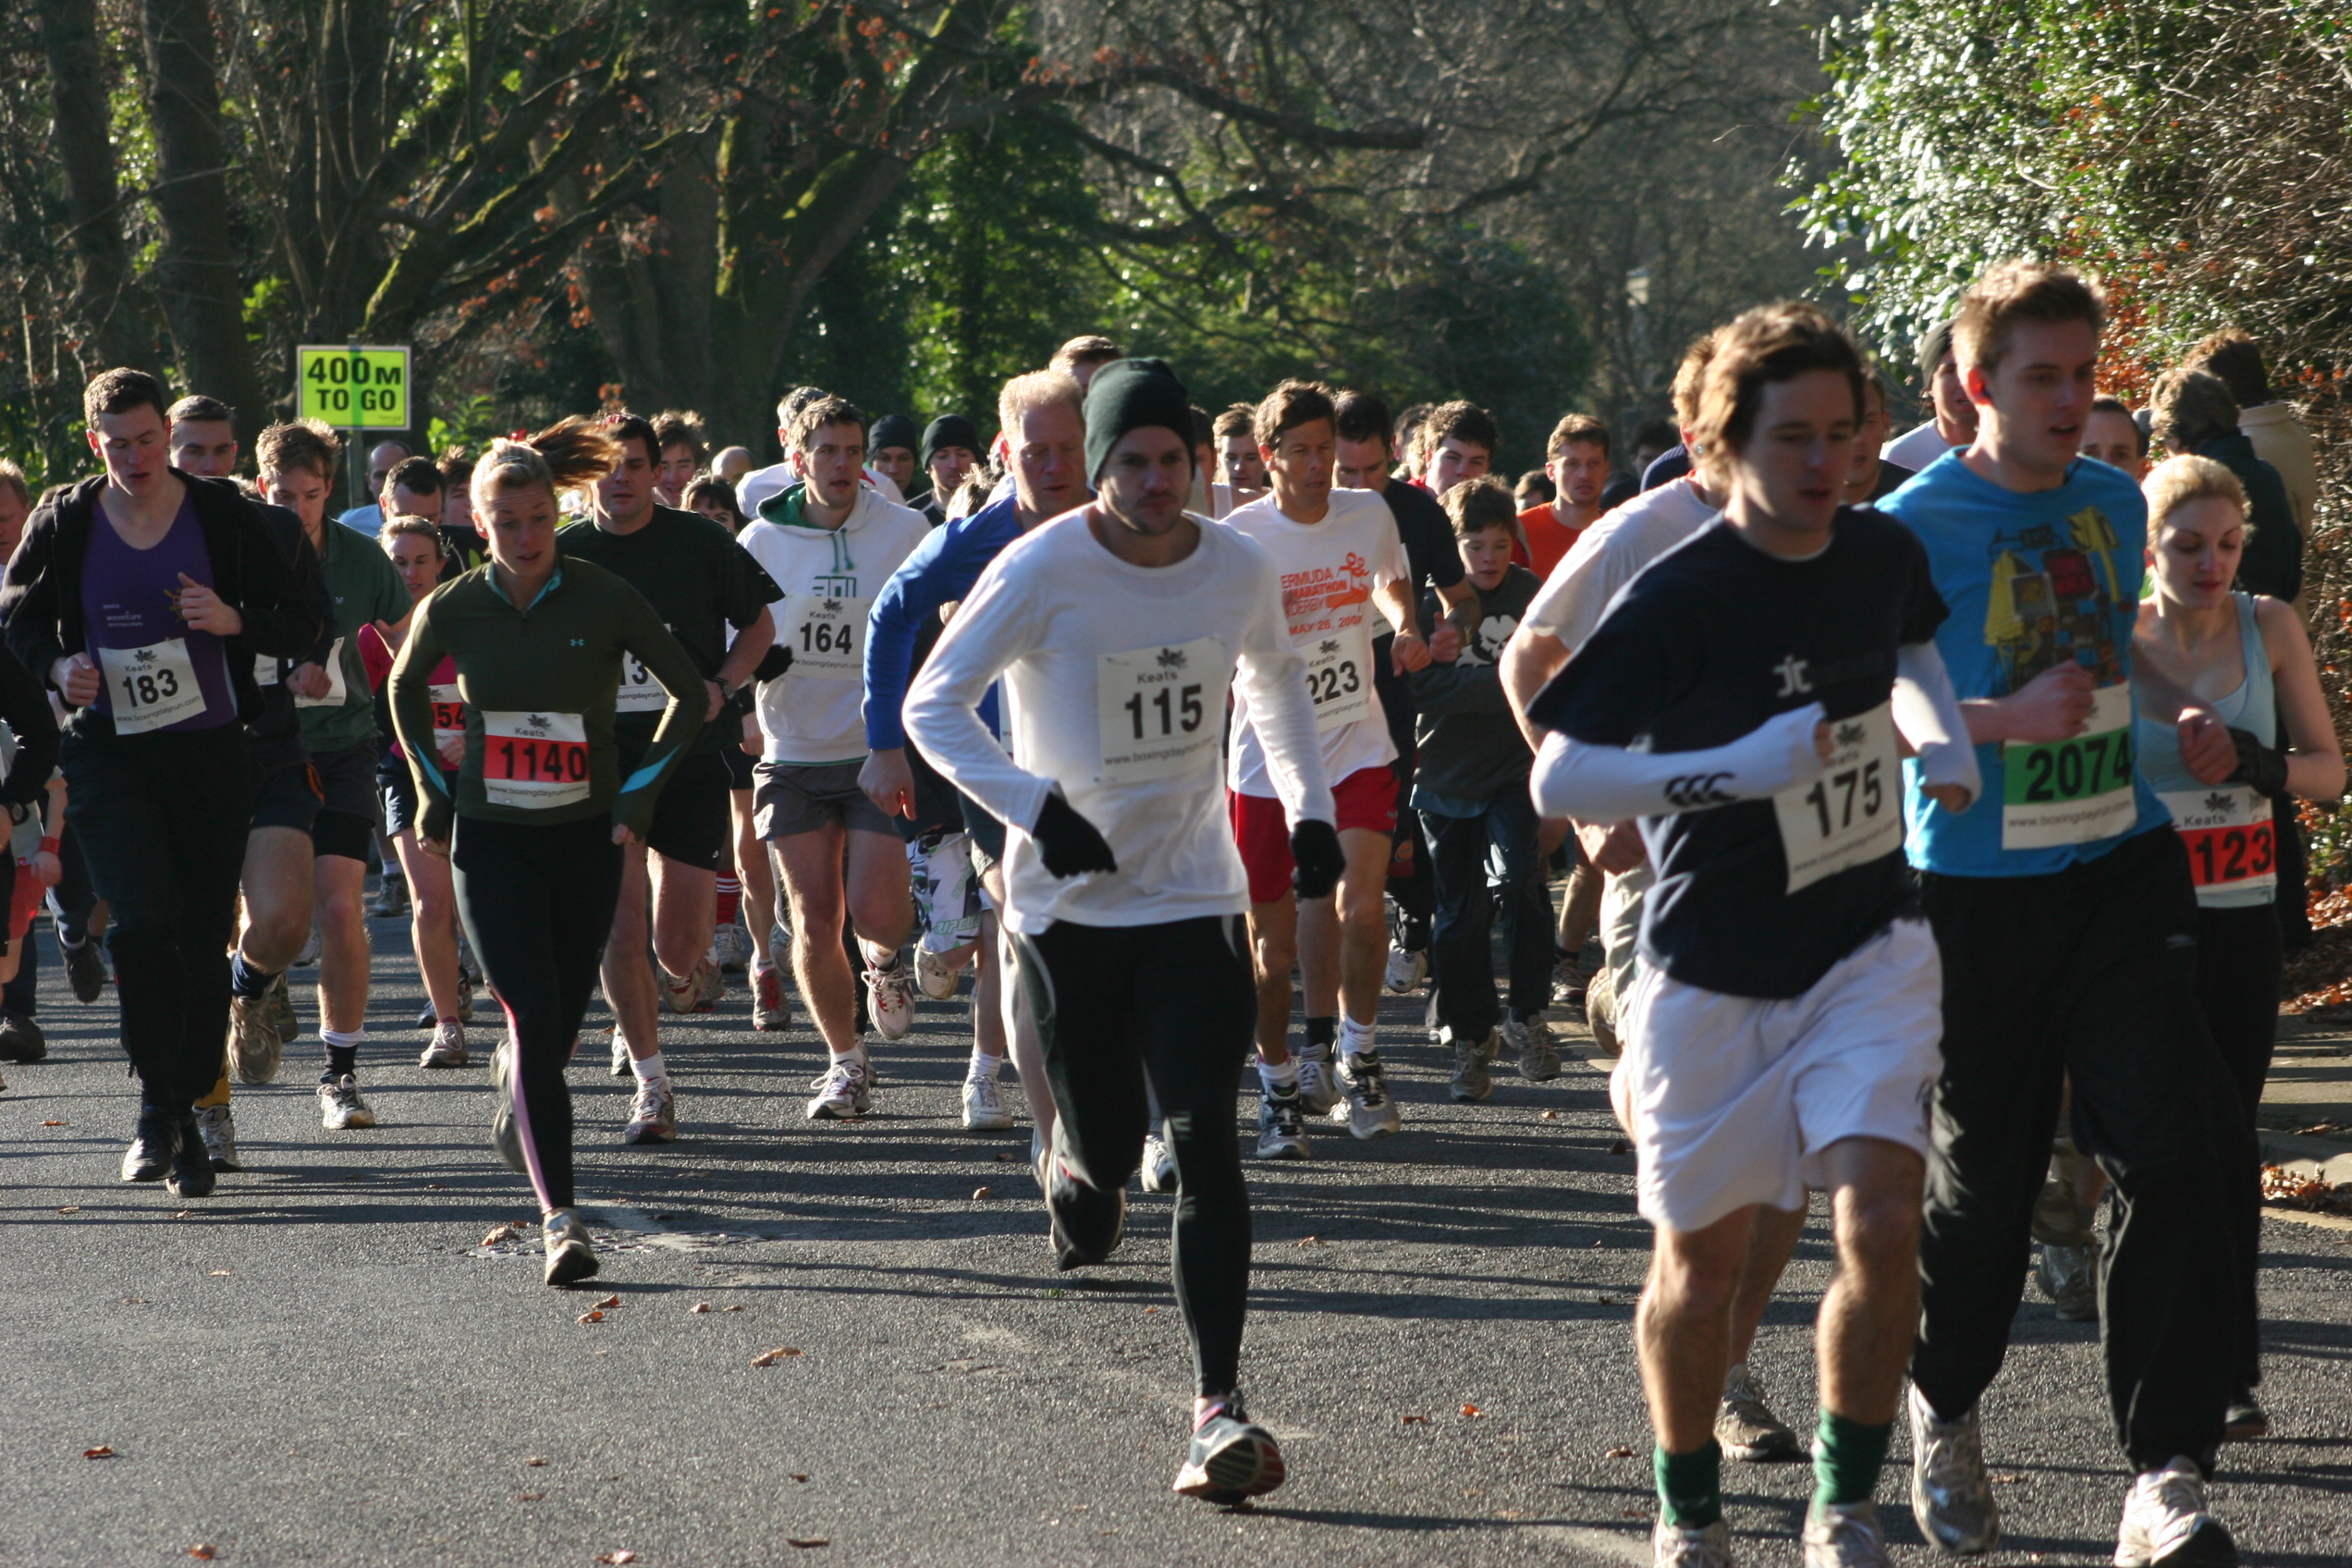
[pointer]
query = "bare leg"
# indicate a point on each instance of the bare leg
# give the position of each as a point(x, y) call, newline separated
point(1682, 1328)
point(1274, 941)
point(629, 987)
point(757, 873)
point(809, 867)
point(1870, 1313)
point(1773, 1243)
point(1362, 928)
point(339, 883)
point(432, 921)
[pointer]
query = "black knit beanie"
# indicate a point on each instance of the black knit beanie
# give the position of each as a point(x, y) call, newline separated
point(1129, 394)
point(951, 430)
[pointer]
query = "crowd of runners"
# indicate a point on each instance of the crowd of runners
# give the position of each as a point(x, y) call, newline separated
point(1928, 801)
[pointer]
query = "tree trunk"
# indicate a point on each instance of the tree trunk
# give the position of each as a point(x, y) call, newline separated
point(201, 293)
point(106, 311)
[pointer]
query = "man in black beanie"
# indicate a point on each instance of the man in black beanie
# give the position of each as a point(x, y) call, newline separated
point(889, 451)
point(950, 452)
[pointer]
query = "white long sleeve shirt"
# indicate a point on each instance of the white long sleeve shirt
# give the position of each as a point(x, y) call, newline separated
point(1115, 678)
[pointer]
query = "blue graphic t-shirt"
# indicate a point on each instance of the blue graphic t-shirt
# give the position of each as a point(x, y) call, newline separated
point(2034, 580)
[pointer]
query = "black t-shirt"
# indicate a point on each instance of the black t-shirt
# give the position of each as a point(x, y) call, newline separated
point(1712, 640)
point(698, 580)
point(1427, 534)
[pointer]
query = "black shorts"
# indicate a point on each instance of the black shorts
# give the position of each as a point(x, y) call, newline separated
point(345, 822)
point(290, 798)
point(690, 823)
point(739, 765)
point(397, 791)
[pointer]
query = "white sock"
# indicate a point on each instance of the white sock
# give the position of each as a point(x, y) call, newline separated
point(984, 1067)
point(856, 1053)
point(1279, 1079)
point(650, 1069)
point(1355, 1039)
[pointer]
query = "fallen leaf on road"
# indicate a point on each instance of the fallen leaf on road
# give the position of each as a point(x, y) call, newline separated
point(1313, 1242)
point(1550, 1116)
point(700, 1307)
point(1472, 1409)
point(529, 1496)
point(1151, 1309)
point(203, 1551)
point(1003, 1158)
point(1416, 1420)
point(1618, 1453)
point(1507, 1513)
point(799, 1478)
point(609, 1301)
point(2009, 1479)
point(737, 1307)
point(769, 1358)
point(1473, 1491)
point(1634, 1512)
point(534, 1461)
point(71, 1208)
point(501, 1233)
point(101, 1451)
point(220, 1273)
point(591, 1317)
point(806, 1541)
point(67, 1124)
point(182, 1213)
point(616, 1557)
point(978, 1193)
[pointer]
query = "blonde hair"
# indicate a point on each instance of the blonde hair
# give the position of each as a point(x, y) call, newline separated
point(1687, 377)
point(570, 454)
point(1025, 395)
point(410, 522)
point(2176, 482)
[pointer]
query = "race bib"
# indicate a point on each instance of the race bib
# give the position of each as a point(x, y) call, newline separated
point(2075, 791)
point(2232, 841)
point(1339, 677)
point(826, 636)
point(640, 692)
point(1853, 814)
point(1161, 711)
point(150, 687)
point(336, 689)
point(534, 760)
point(264, 671)
point(448, 714)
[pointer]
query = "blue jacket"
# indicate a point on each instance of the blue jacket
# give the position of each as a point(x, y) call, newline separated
point(942, 570)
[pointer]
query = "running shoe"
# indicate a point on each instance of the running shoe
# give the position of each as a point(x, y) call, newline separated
point(710, 986)
point(310, 953)
point(505, 1136)
point(1531, 1040)
point(844, 1094)
point(1745, 1427)
point(1086, 1221)
point(571, 1258)
point(191, 1169)
point(620, 1058)
point(2070, 1276)
point(391, 899)
point(281, 1010)
point(2246, 1418)
point(254, 1048)
point(1472, 1080)
point(1845, 1535)
point(935, 976)
point(1407, 968)
point(1316, 1093)
point(21, 1039)
point(652, 1115)
point(771, 1008)
point(890, 999)
point(730, 948)
point(984, 1106)
point(1231, 1457)
point(428, 1017)
point(1281, 1128)
point(1369, 1112)
point(153, 1143)
point(85, 971)
point(779, 937)
point(2165, 1521)
point(468, 970)
point(217, 1130)
point(340, 1108)
point(465, 999)
point(1952, 1500)
point(2056, 1220)
point(680, 993)
point(1159, 1164)
point(1567, 981)
point(448, 1046)
point(1671, 1545)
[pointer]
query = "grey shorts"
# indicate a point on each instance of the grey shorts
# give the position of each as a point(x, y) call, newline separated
point(792, 798)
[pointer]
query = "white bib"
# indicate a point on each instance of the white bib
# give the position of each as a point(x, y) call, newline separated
point(150, 687)
point(336, 689)
point(264, 671)
point(640, 692)
point(1339, 676)
point(1161, 711)
point(1853, 814)
point(826, 636)
point(534, 760)
point(2232, 841)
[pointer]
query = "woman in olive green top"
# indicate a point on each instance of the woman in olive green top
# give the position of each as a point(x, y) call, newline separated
point(534, 830)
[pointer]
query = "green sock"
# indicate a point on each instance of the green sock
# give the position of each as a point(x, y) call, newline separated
point(1690, 1485)
point(1846, 1458)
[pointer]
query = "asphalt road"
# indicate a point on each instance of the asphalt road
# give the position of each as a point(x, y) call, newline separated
point(323, 1364)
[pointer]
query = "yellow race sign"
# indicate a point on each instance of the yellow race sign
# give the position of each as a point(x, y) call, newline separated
point(353, 387)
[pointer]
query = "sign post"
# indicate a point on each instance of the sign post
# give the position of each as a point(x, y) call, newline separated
point(353, 388)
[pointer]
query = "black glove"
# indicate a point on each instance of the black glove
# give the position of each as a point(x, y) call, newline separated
point(2261, 767)
point(1316, 858)
point(1068, 841)
point(773, 662)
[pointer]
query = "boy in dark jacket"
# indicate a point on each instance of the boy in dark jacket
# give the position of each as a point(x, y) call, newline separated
point(1472, 793)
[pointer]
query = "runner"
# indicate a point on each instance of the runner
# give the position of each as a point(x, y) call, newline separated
point(138, 596)
point(1337, 554)
point(539, 815)
point(1953, 422)
point(382, 459)
point(2068, 929)
point(679, 438)
point(1576, 461)
point(830, 543)
point(1745, 699)
point(1874, 475)
point(2112, 436)
point(893, 445)
point(1042, 420)
point(951, 454)
point(701, 584)
point(414, 546)
point(2249, 657)
point(278, 874)
point(20, 1038)
point(337, 714)
point(1117, 630)
point(1240, 467)
point(1080, 357)
point(1459, 438)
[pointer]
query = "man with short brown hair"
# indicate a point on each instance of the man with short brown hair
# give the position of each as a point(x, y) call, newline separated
point(1459, 438)
point(1576, 461)
point(1080, 357)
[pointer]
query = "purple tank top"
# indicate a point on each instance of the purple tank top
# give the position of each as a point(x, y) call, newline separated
point(155, 672)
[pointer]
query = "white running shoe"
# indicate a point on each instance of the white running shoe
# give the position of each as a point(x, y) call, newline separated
point(219, 1131)
point(771, 1005)
point(1318, 1093)
point(1952, 1498)
point(889, 998)
point(1407, 969)
point(340, 1106)
point(1159, 1164)
point(1845, 1535)
point(1282, 1132)
point(730, 948)
point(984, 1106)
point(621, 1068)
point(2165, 1521)
point(1672, 1547)
point(653, 1114)
point(1369, 1111)
point(844, 1094)
point(571, 1258)
point(310, 953)
point(711, 987)
point(935, 976)
point(448, 1046)
point(679, 992)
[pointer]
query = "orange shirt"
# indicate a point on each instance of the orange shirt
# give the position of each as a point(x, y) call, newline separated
point(1547, 539)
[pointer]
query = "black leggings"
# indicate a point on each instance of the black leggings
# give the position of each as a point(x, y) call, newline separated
point(2239, 956)
point(1176, 1002)
point(537, 903)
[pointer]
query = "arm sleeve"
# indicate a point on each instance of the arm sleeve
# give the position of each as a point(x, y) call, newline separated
point(310, 584)
point(411, 689)
point(1601, 783)
point(994, 629)
point(940, 569)
point(667, 660)
point(1272, 675)
point(1928, 714)
point(26, 708)
point(28, 598)
point(279, 619)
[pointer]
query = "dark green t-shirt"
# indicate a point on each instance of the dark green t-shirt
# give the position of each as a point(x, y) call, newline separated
point(366, 588)
point(699, 581)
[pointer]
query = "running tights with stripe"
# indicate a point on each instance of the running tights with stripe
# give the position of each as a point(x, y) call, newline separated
point(537, 903)
point(1174, 1005)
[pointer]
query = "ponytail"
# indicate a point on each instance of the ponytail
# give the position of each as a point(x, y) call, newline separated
point(570, 454)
